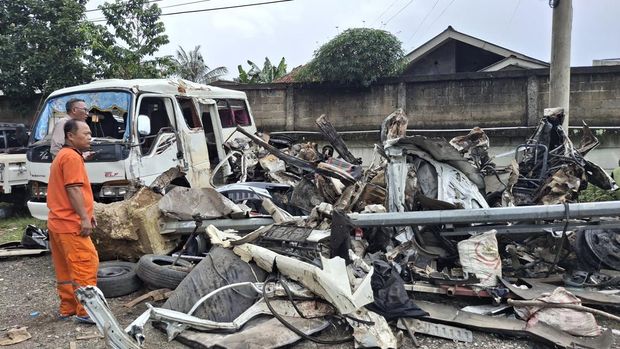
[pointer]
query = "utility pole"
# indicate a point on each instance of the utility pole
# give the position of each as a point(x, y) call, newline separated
point(559, 84)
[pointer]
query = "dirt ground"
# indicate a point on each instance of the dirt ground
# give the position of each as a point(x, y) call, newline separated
point(28, 298)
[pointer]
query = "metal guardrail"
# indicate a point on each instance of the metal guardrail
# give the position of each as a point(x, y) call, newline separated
point(529, 217)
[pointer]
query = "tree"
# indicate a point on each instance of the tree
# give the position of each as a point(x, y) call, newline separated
point(191, 66)
point(356, 56)
point(127, 52)
point(257, 75)
point(41, 45)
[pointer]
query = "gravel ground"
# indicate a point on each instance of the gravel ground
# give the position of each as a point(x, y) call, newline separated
point(28, 298)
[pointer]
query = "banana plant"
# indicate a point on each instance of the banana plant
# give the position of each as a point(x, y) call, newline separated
point(256, 75)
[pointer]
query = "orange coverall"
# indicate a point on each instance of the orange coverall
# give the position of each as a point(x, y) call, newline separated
point(74, 256)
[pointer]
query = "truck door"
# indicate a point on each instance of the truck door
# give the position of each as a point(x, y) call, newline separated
point(197, 153)
point(213, 133)
point(157, 151)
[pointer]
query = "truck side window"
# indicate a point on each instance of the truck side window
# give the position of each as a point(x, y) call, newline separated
point(189, 112)
point(155, 109)
point(233, 112)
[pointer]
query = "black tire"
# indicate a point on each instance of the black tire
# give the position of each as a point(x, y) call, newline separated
point(157, 271)
point(117, 278)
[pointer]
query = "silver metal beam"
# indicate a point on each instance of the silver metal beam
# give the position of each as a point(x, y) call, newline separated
point(242, 225)
point(488, 215)
point(440, 217)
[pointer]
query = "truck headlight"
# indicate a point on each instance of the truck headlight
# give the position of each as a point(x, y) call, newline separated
point(39, 191)
point(113, 191)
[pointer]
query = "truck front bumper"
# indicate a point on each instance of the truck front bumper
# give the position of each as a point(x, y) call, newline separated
point(38, 210)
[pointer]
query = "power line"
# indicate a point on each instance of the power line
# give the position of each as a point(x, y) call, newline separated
point(209, 9)
point(423, 20)
point(384, 12)
point(183, 4)
point(514, 12)
point(399, 11)
point(96, 9)
point(441, 14)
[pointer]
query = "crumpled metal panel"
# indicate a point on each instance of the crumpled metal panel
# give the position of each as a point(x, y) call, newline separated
point(562, 186)
point(257, 334)
point(540, 331)
point(185, 203)
point(327, 282)
point(440, 150)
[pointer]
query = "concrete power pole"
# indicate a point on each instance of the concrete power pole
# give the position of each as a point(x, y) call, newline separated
point(559, 84)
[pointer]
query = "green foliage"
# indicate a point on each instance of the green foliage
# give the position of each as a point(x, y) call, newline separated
point(41, 45)
point(595, 194)
point(191, 66)
point(12, 229)
point(257, 75)
point(127, 52)
point(356, 56)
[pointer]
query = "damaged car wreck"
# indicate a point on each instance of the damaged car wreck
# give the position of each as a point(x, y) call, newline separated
point(303, 244)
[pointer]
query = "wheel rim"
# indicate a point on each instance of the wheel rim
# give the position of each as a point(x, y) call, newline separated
point(109, 272)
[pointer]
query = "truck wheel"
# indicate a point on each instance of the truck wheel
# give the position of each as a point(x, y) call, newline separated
point(117, 278)
point(158, 271)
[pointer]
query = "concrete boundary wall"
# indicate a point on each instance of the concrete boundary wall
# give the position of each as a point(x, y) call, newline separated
point(465, 100)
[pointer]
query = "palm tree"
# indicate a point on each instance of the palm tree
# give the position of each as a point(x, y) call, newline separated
point(191, 66)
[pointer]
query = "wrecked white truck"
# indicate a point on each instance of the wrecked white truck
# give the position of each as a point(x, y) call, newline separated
point(140, 129)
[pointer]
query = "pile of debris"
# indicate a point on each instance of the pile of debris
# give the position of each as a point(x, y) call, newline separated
point(336, 252)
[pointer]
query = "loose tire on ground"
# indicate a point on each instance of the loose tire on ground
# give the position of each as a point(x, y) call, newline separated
point(117, 278)
point(157, 271)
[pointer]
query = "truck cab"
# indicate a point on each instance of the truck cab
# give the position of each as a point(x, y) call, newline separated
point(13, 174)
point(140, 129)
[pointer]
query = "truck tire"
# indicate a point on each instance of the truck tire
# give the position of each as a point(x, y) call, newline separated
point(117, 278)
point(157, 271)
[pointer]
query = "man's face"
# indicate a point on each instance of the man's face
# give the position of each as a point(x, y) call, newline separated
point(79, 111)
point(81, 138)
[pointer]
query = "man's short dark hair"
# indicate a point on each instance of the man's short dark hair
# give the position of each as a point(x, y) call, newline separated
point(71, 126)
point(71, 102)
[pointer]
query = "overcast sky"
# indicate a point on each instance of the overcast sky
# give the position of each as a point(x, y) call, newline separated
point(295, 29)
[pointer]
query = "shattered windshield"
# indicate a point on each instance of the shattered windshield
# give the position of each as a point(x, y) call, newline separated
point(108, 114)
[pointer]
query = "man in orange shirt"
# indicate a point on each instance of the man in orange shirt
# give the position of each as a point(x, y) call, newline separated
point(71, 220)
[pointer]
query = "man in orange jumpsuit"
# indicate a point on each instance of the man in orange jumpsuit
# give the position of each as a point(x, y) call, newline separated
point(71, 220)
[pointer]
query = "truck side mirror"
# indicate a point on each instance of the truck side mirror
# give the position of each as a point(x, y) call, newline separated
point(144, 125)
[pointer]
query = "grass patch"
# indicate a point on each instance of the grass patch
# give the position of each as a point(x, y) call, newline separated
point(12, 229)
point(595, 194)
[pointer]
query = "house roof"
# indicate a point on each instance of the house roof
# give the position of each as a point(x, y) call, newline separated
point(450, 33)
point(514, 61)
point(289, 77)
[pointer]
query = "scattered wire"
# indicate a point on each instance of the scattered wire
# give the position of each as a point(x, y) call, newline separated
point(226, 280)
point(288, 325)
